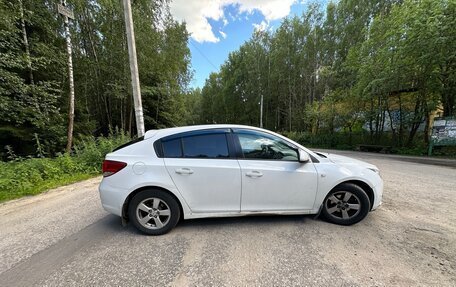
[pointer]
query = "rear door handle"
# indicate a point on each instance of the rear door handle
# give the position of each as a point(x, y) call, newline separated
point(184, 170)
point(254, 173)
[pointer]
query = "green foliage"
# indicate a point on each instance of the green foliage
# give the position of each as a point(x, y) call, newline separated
point(415, 150)
point(90, 151)
point(102, 74)
point(344, 70)
point(30, 176)
point(192, 113)
point(369, 70)
point(345, 141)
point(33, 71)
point(30, 74)
point(445, 151)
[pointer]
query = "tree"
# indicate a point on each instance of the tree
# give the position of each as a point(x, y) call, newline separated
point(30, 68)
point(381, 65)
point(33, 81)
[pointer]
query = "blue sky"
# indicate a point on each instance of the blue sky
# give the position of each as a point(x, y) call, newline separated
point(218, 27)
point(237, 32)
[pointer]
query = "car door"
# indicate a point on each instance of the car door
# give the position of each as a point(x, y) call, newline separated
point(203, 167)
point(272, 177)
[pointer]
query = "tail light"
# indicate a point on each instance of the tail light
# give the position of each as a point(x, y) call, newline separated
point(110, 167)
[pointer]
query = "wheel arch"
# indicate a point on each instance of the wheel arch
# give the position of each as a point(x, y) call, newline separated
point(138, 190)
point(364, 186)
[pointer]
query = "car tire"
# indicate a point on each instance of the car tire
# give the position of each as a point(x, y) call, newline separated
point(346, 204)
point(154, 212)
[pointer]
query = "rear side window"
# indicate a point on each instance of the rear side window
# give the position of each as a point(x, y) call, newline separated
point(201, 144)
point(206, 146)
point(172, 148)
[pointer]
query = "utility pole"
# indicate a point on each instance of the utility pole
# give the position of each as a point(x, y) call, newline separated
point(68, 14)
point(134, 67)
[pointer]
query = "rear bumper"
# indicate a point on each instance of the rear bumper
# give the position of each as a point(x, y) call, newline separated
point(112, 197)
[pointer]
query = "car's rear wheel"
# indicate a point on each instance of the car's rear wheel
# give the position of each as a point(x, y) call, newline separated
point(153, 212)
point(346, 204)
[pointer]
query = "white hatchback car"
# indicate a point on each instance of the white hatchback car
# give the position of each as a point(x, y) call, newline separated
point(231, 170)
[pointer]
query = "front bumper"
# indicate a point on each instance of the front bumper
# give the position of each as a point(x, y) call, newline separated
point(378, 195)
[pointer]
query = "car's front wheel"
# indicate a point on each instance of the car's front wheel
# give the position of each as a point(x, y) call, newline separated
point(346, 204)
point(153, 212)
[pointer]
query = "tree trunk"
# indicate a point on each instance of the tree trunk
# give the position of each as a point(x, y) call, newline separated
point(416, 121)
point(130, 120)
point(427, 121)
point(289, 103)
point(71, 83)
point(350, 134)
point(401, 121)
point(448, 89)
point(427, 128)
point(26, 44)
point(393, 130)
point(448, 101)
point(371, 128)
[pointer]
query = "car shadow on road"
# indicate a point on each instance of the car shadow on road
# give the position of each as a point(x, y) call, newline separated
point(245, 220)
point(112, 223)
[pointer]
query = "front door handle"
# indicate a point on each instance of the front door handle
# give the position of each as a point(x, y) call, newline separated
point(184, 170)
point(254, 173)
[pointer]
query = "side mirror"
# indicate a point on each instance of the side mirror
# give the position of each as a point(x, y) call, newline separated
point(303, 156)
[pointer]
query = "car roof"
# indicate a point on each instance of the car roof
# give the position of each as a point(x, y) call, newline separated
point(171, 131)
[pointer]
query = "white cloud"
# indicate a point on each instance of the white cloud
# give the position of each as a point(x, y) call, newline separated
point(223, 34)
point(197, 12)
point(261, 27)
point(271, 9)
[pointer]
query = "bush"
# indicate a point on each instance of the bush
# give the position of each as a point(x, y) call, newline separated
point(344, 141)
point(323, 140)
point(33, 175)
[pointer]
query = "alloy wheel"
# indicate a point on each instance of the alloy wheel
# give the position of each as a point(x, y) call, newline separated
point(343, 205)
point(153, 213)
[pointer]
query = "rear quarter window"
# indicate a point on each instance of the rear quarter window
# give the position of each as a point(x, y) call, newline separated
point(172, 148)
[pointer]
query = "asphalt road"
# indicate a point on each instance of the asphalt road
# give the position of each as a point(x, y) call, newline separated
point(64, 238)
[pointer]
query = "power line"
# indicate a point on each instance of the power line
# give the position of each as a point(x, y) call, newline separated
point(202, 54)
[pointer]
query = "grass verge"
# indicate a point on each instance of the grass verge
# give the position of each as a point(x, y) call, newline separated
point(5, 196)
point(30, 176)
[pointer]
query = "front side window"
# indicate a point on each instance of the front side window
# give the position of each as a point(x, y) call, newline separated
point(205, 146)
point(257, 145)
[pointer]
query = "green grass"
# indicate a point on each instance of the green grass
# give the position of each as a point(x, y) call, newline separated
point(21, 177)
point(45, 186)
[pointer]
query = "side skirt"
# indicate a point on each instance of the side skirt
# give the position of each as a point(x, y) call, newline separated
point(248, 213)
